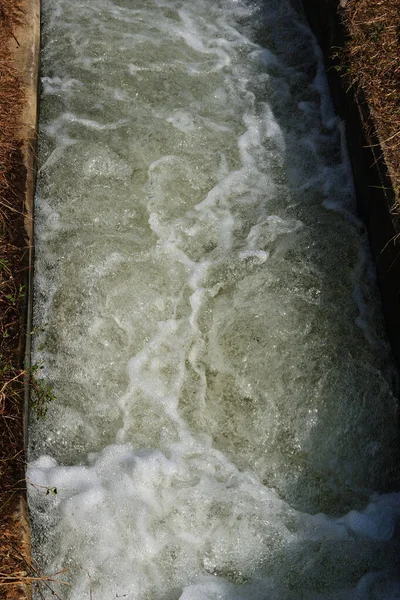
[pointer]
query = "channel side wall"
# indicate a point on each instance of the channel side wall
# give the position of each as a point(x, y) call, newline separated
point(374, 191)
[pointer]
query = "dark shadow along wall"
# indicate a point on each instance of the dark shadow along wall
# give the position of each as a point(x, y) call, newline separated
point(375, 196)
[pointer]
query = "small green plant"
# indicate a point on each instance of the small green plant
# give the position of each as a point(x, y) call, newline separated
point(17, 295)
point(4, 265)
point(375, 30)
point(42, 392)
point(41, 329)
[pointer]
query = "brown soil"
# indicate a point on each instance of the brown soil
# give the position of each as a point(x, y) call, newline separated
point(13, 276)
point(372, 61)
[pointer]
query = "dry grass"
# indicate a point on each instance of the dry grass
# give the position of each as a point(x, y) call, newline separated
point(13, 570)
point(372, 59)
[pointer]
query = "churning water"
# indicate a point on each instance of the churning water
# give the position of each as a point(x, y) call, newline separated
point(225, 412)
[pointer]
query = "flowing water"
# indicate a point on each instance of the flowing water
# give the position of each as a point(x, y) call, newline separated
point(225, 422)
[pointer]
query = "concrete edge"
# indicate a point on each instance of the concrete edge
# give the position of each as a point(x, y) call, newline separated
point(27, 60)
point(25, 51)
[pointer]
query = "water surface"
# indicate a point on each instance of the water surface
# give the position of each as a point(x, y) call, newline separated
point(225, 410)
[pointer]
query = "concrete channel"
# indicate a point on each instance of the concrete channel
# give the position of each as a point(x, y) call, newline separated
point(372, 182)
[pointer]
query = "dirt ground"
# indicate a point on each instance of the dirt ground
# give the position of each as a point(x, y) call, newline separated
point(13, 266)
